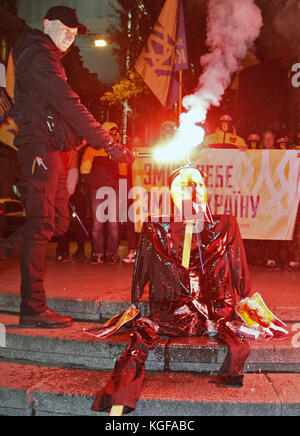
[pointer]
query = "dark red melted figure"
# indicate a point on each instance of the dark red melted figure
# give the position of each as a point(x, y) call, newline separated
point(184, 301)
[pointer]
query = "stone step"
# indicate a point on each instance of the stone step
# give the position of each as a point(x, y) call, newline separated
point(93, 292)
point(81, 290)
point(78, 308)
point(98, 308)
point(73, 348)
point(46, 391)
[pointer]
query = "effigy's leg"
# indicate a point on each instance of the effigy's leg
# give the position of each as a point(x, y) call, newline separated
point(231, 372)
point(123, 389)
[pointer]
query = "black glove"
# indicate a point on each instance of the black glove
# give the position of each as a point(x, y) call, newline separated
point(119, 153)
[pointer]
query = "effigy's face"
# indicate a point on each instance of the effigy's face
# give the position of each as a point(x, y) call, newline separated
point(189, 185)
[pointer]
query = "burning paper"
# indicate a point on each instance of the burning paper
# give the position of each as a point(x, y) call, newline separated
point(114, 324)
point(255, 314)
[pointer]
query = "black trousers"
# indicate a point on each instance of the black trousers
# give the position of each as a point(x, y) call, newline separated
point(45, 199)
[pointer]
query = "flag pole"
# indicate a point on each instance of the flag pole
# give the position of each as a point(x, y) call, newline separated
point(180, 93)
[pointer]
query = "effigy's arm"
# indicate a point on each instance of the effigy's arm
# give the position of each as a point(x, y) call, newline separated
point(238, 260)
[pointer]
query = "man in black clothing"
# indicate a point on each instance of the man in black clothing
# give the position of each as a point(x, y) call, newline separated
point(51, 119)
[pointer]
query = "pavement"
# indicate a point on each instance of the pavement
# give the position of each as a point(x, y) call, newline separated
point(57, 372)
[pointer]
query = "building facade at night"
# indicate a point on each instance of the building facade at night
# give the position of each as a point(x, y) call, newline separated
point(10, 26)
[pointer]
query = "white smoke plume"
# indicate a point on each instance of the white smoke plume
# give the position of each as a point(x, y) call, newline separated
point(286, 23)
point(232, 28)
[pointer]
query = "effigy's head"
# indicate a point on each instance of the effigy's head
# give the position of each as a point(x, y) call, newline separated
point(187, 184)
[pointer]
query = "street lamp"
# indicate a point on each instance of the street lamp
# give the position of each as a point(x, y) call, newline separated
point(100, 43)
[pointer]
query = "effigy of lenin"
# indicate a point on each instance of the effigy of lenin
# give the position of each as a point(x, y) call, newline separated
point(196, 268)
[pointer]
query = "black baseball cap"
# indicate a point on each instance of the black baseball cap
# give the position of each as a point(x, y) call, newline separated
point(67, 16)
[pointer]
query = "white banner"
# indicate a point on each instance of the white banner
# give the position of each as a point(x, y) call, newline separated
point(261, 188)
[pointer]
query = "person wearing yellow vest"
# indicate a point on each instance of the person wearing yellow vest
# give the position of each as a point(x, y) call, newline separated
point(225, 136)
point(103, 172)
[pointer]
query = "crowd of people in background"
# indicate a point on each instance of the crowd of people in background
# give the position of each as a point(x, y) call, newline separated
point(95, 169)
point(271, 141)
point(225, 136)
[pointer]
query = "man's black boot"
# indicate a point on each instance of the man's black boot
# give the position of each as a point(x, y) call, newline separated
point(47, 320)
point(229, 381)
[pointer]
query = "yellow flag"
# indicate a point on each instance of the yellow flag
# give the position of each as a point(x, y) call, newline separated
point(10, 76)
point(165, 52)
point(9, 128)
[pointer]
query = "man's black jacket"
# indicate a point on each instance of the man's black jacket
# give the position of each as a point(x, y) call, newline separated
point(41, 86)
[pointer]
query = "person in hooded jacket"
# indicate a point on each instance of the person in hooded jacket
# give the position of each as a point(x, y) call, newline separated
point(51, 119)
